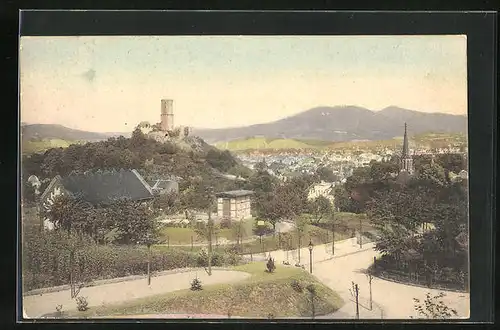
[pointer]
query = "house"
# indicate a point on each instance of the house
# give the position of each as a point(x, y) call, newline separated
point(97, 188)
point(162, 187)
point(324, 189)
point(234, 205)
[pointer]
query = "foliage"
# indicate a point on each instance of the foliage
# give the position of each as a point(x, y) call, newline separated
point(82, 304)
point(151, 158)
point(123, 221)
point(419, 223)
point(46, 260)
point(221, 160)
point(271, 267)
point(196, 284)
point(297, 286)
point(326, 174)
point(320, 207)
point(433, 307)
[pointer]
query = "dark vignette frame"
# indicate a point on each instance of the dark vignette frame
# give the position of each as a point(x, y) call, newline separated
point(480, 28)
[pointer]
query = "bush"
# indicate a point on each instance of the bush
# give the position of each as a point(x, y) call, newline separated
point(196, 284)
point(81, 304)
point(46, 261)
point(270, 265)
point(297, 286)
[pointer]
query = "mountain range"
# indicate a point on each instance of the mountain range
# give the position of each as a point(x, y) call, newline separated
point(54, 131)
point(343, 123)
point(340, 123)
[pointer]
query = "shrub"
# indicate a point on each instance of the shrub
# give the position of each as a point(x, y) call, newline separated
point(270, 265)
point(297, 286)
point(196, 284)
point(81, 304)
point(46, 261)
point(433, 307)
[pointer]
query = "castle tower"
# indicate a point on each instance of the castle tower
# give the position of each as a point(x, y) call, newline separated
point(406, 159)
point(167, 115)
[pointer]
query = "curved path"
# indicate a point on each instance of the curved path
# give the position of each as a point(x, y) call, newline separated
point(393, 300)
point(38, 305)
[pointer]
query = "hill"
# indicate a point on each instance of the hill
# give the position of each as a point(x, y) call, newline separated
point(38, 132)
point(429, 140)
point(343, 123)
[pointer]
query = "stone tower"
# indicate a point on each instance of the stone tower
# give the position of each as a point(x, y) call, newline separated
point(406, 164)
point(167, 115)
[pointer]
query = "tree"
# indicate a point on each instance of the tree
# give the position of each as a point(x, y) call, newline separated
point(132, 220)
point(320, 207)
point(168, 203)
point(69, 213)
point(326, 174)
point(433, 307)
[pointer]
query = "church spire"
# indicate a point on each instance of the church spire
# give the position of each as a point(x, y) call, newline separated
point(406, 164)
point(406, 150)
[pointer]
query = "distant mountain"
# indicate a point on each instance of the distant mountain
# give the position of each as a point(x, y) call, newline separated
point(343, 123)
point(52, 131)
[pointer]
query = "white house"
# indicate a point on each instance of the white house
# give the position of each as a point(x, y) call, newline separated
point(324, 189)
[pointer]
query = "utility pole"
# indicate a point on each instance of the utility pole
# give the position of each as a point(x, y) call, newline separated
point(299, 248)
point(360, 233)
point(210, 229)
point(355, 293)
point(370, 278)
point(333, 235)
point(149, 263)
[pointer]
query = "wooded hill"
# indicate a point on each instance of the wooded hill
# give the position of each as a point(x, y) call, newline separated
point(154, 160)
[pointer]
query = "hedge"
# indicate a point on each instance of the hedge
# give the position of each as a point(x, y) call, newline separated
point(46, 261)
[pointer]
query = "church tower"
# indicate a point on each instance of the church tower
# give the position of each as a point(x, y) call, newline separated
point(406, 163)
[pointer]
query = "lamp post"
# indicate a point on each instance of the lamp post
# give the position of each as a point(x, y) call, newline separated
point(310, 256)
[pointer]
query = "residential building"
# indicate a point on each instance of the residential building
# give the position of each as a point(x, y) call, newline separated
point(324, 189)
point(97, 188)
point(234, 205)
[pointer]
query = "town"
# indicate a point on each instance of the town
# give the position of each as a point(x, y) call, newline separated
point(163, 225)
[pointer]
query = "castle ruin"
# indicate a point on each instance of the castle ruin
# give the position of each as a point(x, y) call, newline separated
point(165, 130)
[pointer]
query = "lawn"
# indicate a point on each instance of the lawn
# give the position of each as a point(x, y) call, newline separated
point(29, 147)
point(256, 297)
point(312, 233)
point(183, 236)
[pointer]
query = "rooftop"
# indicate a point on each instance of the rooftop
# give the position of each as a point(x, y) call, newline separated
point(105, 187)
point(235, 193)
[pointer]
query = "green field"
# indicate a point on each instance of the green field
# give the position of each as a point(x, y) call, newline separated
point(433, 140)
point(29, 147)
point(182, 236)
point(258, 296)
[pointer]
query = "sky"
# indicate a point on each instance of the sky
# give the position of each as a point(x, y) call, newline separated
point(111, 83)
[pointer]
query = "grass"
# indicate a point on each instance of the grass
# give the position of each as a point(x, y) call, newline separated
point(346, 223)
point(311, 233)
point(29, 147)
point(256, 297)
point(267, 143)
point(181, 236)
point(433, 140)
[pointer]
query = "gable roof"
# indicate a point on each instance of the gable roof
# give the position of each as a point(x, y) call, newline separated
point(166, 186)
point(105, 187)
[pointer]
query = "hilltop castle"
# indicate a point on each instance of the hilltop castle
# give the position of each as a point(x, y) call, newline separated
point(165, 130)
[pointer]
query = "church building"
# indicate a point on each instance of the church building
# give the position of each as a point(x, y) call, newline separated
point(406, 169)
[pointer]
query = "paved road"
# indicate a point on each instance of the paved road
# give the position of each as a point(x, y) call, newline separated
point(394, 299)
point(391, 300)
point(38, 305)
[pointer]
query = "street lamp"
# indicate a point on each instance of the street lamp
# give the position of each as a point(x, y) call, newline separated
point(310, 256)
